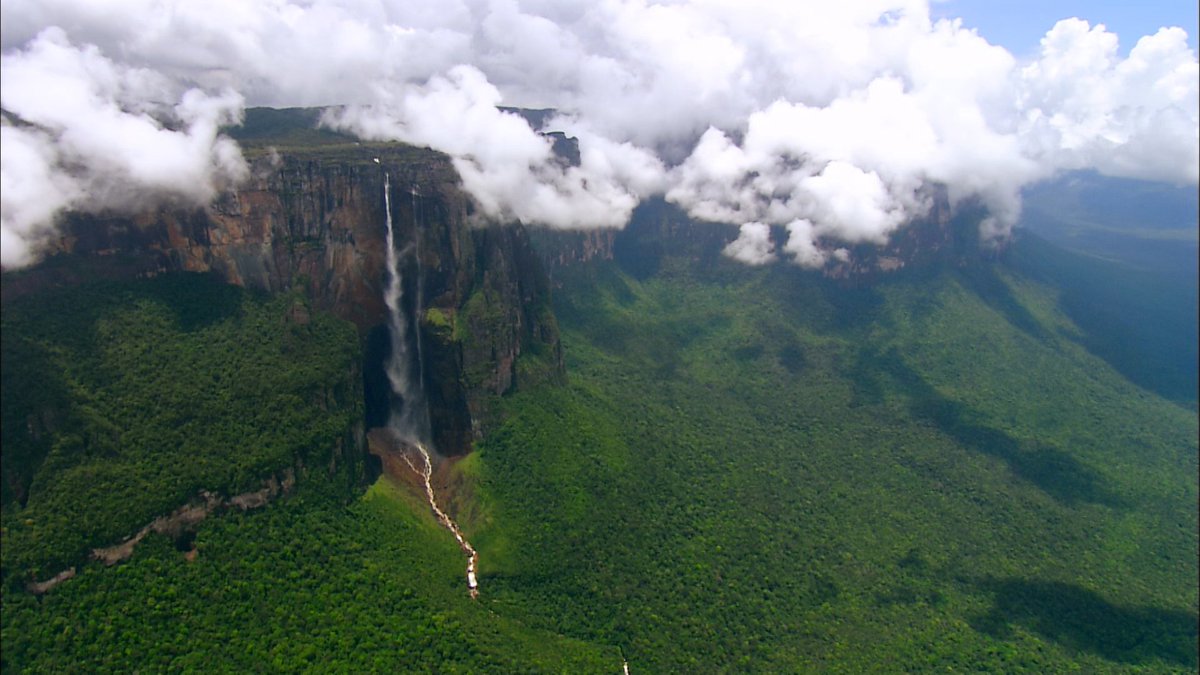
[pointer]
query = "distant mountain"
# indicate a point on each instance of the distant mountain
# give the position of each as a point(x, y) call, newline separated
point(1125, 255)
point(1139, 223)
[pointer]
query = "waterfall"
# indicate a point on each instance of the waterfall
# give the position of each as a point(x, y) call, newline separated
point(409, 417)
point(420, 301)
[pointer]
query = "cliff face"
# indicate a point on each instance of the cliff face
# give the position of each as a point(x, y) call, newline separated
point(315, 219)
point(658, 229)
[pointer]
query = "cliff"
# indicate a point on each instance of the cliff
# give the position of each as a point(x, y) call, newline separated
point(658, 228)
point(313, 218)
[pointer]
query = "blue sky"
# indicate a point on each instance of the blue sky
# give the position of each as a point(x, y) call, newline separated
point(1018, 25)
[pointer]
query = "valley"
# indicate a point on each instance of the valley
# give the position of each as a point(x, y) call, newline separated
point(645, 455)
point(622, 337)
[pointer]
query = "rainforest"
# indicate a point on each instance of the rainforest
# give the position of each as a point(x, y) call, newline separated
point(698, 466)
point(635, 336)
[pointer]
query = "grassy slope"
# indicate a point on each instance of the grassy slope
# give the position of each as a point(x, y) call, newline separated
point(753, 470)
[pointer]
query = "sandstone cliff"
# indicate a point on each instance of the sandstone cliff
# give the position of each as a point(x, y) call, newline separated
point(658, 228)
point(314, 219)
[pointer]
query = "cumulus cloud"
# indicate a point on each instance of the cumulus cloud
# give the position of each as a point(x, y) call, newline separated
point(1084, 107)
point(802, 245)
point(508, 168)
point(753, 245)
point(830, 119)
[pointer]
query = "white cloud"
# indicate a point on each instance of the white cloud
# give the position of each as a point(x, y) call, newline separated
point(509, 168)
point(32, 191)
point(802, 245)
point(753, 245)
point(93, 138)
point(1137, 118)
point(741, 111)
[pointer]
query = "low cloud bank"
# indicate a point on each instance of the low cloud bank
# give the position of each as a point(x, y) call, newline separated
point(829, 119)
point(88, 133)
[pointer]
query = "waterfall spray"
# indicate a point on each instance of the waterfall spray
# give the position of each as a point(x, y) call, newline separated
point(410, 421)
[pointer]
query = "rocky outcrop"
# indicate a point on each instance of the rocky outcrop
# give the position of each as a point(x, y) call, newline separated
point(501, 335)
point(314, 219)
point(658, 229)
point(180, 525)
point(560, 248)
point(183, 520)
point(42, 587)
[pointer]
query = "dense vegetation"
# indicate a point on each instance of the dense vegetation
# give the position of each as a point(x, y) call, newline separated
point(123, 400)
point(757, 470)
point(157, 389)
point(307, 585)
point(749, 470)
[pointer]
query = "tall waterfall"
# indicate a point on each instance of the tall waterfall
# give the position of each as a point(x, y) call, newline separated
point(409, 417)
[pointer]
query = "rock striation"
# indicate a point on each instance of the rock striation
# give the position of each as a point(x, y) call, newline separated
point(313, 218)
point(658, 229)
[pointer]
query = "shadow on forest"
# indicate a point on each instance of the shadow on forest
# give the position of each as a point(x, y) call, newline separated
point(1080, 619)
point(1051, 469)
point(197, 300)
point(40, 328)
point(1141, 321)
point(989, 287)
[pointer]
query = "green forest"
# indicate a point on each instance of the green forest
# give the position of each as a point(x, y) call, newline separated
point(761, 471)
point(123, 400)
point(747, 470)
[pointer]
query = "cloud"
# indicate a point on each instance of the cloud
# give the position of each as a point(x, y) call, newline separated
point(753, 245)
point(91, 134)
point(1136, 118)
point(508, 168)
point(802, 245)
point(31, 193)
point(837, 115)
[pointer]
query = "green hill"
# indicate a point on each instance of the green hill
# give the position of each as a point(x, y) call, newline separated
point(756, 470)
point(147, 392)
point(749, 470)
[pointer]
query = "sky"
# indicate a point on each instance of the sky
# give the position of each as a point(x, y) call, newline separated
point(834, 121)
point(1018, 25)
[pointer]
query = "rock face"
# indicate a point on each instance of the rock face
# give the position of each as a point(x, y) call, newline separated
point(658, 228)
point(315, 219)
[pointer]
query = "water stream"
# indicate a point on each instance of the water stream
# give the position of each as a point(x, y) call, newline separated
point(410, 420)
point(426, 472)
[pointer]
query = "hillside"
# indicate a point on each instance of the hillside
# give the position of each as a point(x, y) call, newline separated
point(122, 401)
point(759, 470)
point(749, 470)
point(151, 395)
point(972, 463)
point(1125, 256)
